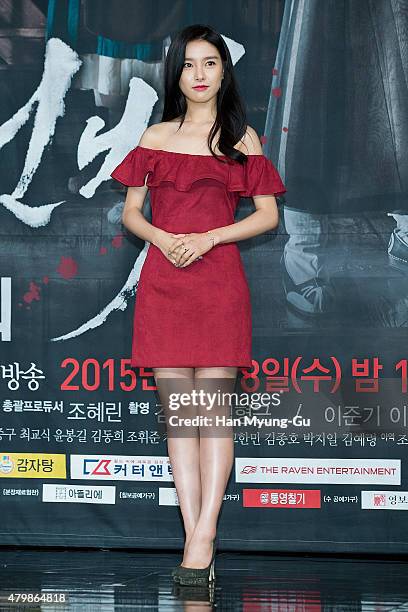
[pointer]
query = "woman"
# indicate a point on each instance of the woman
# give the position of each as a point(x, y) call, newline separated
point(192, 322)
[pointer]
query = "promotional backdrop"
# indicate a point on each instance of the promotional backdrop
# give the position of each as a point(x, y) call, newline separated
point(83, 458)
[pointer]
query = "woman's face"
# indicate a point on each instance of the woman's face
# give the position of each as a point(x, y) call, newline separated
point(202, 66)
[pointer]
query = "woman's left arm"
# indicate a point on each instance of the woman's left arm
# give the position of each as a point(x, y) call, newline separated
point(266, 215)
point(264, 218)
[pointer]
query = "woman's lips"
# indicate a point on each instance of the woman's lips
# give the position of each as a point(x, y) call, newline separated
point(199, 87)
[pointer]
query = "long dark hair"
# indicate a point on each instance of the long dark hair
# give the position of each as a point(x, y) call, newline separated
point(231, 114)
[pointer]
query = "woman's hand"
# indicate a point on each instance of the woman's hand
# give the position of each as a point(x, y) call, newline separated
point(171, 246)
point(165, 242)
point(186, 248)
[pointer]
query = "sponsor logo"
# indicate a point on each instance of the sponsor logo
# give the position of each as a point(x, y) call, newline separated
point(281, 498)
point(384, 500)
point(80, 494)
point(168, 497)
point(249, 469)
point(121, 467)
point(318, 471)
point(6, 464)
point(32, 465)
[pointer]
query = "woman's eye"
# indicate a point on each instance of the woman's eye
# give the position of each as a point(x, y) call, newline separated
point(189, 64)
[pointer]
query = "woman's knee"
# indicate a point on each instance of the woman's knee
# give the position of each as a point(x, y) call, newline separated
point(173, 373)
point(216, 372)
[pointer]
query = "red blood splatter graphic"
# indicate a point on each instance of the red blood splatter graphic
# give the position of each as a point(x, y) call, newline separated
point(67, 267)
point(117, 241)
point(263, 139)
point(277, 92)
point(46, 280)
point(103, 251)
point(285, 129)
point(275, 71)
point(32, 294)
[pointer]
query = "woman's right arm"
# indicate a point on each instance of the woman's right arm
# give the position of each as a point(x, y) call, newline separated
point(133, 218)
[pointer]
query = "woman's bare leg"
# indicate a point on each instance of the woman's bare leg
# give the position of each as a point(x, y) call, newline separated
point(183, 444)
point(216, 461)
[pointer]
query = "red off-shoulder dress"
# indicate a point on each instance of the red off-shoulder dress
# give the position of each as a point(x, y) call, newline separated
point(199, 315)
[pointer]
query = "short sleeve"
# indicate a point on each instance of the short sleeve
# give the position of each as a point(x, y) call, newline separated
point(261, 178)
point(134, 167)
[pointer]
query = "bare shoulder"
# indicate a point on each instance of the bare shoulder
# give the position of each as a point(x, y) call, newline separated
point(156, 135)
point(250, 143)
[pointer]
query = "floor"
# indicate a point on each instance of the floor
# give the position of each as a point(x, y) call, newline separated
point(141, 580)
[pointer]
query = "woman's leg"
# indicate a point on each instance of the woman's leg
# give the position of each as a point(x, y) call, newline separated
point(182, 443)
point(216, 459)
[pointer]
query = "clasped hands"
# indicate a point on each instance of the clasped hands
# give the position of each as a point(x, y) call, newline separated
point(186, 248)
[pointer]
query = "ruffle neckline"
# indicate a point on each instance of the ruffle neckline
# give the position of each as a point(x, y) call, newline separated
point(178, 153)
point(258, 176)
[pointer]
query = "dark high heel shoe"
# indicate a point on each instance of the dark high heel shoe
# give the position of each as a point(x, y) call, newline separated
point(191, 576)
point(195, 593)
